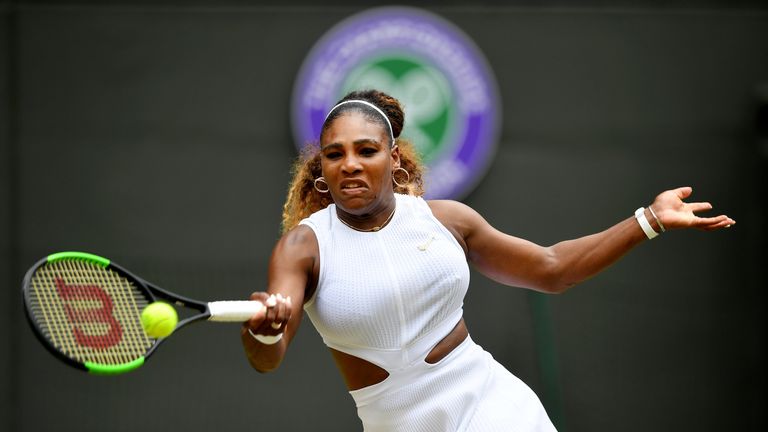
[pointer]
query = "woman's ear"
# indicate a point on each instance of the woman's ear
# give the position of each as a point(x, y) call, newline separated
point(395, 154)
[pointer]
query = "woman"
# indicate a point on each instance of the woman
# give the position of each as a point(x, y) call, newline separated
point(382, 275)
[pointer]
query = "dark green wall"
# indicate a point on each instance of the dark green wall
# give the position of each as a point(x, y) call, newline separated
point(159, 136)
point(10, 310)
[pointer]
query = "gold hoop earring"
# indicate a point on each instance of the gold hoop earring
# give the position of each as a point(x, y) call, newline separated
point(322, 179)
point(407, 177)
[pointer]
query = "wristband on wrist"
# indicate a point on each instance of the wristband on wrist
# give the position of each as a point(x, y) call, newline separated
point(658, 221)
point(265, 339)
point(643, 221)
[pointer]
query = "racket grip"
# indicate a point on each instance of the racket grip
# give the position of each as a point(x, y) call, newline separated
point(234, 311)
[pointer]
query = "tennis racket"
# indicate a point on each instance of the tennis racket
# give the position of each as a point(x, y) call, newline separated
point(86, 310)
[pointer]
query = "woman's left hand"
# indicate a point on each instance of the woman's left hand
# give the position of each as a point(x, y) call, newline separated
point(673, 212)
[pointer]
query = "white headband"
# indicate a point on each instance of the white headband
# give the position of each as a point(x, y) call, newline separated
point(386, 119)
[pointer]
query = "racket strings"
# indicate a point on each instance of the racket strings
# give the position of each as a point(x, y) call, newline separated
point(88, 312)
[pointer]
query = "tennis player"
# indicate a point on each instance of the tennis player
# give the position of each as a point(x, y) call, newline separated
point(382, 275)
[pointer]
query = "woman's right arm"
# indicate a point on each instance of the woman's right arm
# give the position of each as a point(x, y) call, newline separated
point(293, 270)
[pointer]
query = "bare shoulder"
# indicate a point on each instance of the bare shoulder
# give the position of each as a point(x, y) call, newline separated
point(460, 219)
point(299, 242)
point(299, 236)
point(446, 206)
point(295, 262)
point(455, 214)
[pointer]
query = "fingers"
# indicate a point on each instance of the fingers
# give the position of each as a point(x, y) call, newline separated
point(259, 296)
point(282, 309)
point(699, 206)
point(256, 320)
point(714, 223)
point(278, 311)
point(275, 315)
point(708, 223)
point(683, 192)
point(673, 212)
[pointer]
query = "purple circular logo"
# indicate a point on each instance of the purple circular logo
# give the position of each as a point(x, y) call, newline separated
point(442, 79)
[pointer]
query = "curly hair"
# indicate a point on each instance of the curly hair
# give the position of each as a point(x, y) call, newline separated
point(303, 199)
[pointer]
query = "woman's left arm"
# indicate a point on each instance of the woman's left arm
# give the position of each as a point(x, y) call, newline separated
point(517, 262)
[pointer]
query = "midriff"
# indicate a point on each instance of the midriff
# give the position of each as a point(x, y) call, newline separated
point(359, 373)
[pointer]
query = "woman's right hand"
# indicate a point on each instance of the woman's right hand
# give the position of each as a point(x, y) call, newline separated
point(273, 318)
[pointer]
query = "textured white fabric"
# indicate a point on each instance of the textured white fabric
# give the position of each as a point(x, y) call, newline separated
point(467, 391)
point(389, 296)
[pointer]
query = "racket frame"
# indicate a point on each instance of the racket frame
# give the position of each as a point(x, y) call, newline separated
point(151, 291)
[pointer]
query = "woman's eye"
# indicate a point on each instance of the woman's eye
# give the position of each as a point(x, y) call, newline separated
point(368, 151)
point(333, 155)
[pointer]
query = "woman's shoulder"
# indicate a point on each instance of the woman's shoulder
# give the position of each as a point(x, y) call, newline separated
point(444, 210)
point(440, 206)
point(301, 235)
point(456, 215)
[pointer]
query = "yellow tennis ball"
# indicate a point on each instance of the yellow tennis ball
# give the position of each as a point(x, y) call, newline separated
point(159, 319)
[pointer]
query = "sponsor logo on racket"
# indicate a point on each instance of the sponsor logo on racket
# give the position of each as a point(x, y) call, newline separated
point(104, 331)
point(432, 67)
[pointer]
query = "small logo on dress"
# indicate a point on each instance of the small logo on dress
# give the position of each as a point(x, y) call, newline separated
point(423, 247)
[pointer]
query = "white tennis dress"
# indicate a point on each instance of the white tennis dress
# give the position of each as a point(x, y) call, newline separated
point(389, 297)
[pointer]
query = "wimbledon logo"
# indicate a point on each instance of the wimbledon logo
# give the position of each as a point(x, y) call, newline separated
point(438, 74)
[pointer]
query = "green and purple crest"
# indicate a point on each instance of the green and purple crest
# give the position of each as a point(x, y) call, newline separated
point(442, 79)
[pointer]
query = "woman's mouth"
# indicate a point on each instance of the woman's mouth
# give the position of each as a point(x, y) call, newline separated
point(353, 187)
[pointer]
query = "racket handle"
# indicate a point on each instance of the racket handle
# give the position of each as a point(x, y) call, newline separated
point(234, 311)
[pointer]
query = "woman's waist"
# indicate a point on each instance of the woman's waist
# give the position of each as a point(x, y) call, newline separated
point(398, 353)
point(421, 375)
point(365, 367)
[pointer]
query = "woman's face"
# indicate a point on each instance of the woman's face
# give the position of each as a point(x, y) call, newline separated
point(357, 164)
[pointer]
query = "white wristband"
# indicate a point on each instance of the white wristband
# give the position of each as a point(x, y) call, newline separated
point(643, 221)
point(266, 340)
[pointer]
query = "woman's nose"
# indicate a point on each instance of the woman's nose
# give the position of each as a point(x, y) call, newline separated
point(351, 164)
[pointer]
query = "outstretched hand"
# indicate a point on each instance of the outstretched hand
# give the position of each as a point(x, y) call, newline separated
point(675, 213)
